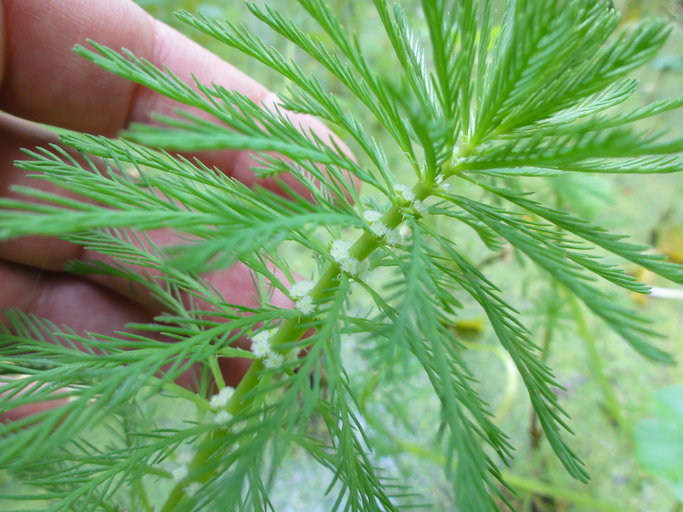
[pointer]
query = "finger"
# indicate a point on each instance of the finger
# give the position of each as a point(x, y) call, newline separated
point(30, 290)
point(52, 254)
point(64, 299)
point(67, 300)
point(111, 303)
point(85, 306)
point(44, 80)
point(235, 284)
point(37, 251)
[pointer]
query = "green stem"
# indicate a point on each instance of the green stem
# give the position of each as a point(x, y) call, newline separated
point(216, 372)
point(173, 499)
point(290, 330)
point(595, 363)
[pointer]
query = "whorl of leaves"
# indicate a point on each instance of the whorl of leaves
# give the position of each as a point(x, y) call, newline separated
point(481, 94)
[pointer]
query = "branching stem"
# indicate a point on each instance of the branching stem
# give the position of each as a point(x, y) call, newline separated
point(290, 331)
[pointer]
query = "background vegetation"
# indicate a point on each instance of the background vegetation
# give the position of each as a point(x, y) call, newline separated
point(614, 397)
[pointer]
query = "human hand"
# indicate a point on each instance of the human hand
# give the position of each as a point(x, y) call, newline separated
point(43, 81)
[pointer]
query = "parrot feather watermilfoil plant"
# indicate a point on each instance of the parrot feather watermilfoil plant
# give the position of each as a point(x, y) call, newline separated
point(483, 99)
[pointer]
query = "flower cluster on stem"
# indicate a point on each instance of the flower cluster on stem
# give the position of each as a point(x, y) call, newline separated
point(347, 263)
point(300, 293)
point(262, 348)
point(380, 229)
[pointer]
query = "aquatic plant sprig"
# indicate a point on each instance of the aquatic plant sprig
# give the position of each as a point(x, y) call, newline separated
point(510, 91)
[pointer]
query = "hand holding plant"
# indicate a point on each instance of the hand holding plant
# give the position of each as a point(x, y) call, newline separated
point(487, 101)
point(44, 81)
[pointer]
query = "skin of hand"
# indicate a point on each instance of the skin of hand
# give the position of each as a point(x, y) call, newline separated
point(43, 81)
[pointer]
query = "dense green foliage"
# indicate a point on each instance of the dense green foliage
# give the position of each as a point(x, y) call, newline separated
point(493, 96)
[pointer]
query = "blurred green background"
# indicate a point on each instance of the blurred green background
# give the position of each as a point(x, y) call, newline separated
point(627, 413)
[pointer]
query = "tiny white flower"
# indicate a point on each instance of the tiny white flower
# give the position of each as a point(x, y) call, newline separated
point(305, 305)
point(222, 397)
point(301, 289)
point(405, 192)
point(347, 263)
point(372, 215)
point(301, 293)
point(274, 360)
point(340, 250)
point(340, 254)
point(260, 344)
point(379, 228)
point(350, 266)
point(193, 488)
point(222, 417)
point(179, 473)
